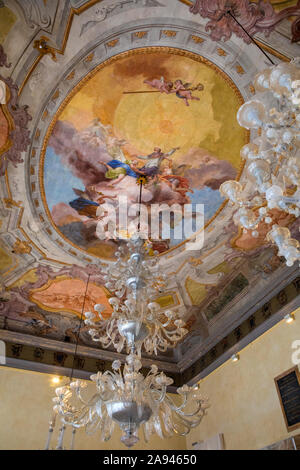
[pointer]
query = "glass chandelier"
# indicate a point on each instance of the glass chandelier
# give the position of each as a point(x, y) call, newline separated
point(124, 396)
point(272, 158)
point(135, 281)
point(130, 400)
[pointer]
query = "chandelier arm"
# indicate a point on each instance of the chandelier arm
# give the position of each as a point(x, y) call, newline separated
point(157, 426)
point(145, 431)
point(107, 428)
point(164, 325)
point(175, 407)
point(188, 423)
point(167, 419)
point(190, 415)
point(91, 427)
point(184, 424)
point(161, 343)
point(162, 394)
point(162, 423)
point(104, 398)
point(171, 334)
point(76, 418)
point(90, 402)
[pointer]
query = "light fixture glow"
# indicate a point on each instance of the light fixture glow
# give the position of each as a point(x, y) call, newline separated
point(55, 380)
point(289, 318)
point(235, 357)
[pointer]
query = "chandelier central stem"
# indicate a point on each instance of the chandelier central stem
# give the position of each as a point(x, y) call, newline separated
point(140, 203)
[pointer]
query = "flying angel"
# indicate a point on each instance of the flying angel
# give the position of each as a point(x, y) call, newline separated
point(182, 90)
point(161, 85)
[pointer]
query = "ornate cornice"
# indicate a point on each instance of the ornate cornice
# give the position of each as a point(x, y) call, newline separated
point(18, 136)
point(259, 321)
point(254, 17)
point(32, 350)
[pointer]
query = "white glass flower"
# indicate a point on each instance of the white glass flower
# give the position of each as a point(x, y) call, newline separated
point(251, 115)
point(116, 365)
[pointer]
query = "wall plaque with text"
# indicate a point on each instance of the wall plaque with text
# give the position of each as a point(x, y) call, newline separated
point(288, 388)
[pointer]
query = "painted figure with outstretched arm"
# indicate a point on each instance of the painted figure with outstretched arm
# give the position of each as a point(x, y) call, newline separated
point(154, 161)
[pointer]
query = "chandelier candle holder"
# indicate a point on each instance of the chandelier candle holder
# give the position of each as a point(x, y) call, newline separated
point(157, 332)
point(126, 398)
point(272, 159)
point(61, 434)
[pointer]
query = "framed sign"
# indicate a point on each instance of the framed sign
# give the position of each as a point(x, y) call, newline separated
point(288, 389)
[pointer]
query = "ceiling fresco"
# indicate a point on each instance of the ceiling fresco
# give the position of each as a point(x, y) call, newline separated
point(102, 92)
point(116, 120)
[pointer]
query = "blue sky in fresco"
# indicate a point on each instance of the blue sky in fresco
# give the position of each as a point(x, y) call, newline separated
point(56, 175)
point(59, 181)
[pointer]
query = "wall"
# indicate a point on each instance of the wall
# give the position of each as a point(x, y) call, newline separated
point(25, 409)
point(244, 401)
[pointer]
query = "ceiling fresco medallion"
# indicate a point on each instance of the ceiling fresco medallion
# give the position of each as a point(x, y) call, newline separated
point(165, 113)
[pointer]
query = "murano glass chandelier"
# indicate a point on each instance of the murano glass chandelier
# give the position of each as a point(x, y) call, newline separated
point(124, 396)
point(135, 280)
point(272, 158)
point(130, 400)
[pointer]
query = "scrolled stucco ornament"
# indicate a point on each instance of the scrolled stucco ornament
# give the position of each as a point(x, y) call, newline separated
point(3, 58)
point(255, 16)
point(19, 133)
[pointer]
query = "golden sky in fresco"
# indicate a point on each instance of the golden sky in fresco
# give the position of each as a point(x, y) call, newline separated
point(154, 119)
point(7, 20)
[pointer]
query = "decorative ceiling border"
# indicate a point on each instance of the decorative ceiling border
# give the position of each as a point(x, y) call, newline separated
point(30, 350)
point(239, 309)
point(53, 50)
point(29, 344)
point(30, 356)
point(77, 12)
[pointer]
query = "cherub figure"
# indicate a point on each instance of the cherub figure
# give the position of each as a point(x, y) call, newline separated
point(183, 91)
point(160, 85)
